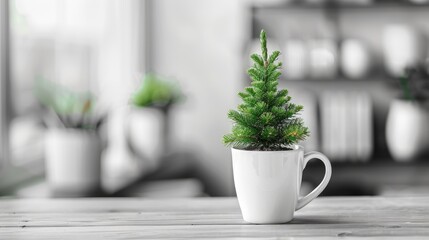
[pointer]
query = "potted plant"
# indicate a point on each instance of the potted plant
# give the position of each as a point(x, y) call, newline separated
point(267, 162)
point(149, 119)
point(73, 145)
point(407, 133)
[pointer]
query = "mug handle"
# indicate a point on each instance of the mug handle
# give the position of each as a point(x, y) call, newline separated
point(328, 172)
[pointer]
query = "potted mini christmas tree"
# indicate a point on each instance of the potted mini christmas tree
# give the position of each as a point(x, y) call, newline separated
point(267, 163)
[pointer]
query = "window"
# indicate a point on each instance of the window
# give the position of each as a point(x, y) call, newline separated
point(84, 45)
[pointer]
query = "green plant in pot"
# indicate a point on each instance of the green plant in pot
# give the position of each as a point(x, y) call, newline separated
point(407, 132)
point(73, 144)
point(156, 92)
point(267, 162)
point(148, 128)
point(68, 109)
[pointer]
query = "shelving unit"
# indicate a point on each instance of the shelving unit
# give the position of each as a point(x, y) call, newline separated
point(341, 6)
point(338, 22)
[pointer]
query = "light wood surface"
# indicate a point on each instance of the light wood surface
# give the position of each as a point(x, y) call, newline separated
point(124, 218)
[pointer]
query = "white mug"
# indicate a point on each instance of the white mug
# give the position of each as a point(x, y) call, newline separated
point(268, 183)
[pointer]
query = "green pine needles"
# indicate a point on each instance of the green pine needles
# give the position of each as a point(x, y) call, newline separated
point(266, 120)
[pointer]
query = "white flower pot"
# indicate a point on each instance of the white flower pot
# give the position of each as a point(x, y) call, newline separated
point(268, 183)
point(73, 162)
point(407, 130)
point(147, 135)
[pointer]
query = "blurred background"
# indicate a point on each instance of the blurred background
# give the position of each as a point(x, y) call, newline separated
point(129, 98)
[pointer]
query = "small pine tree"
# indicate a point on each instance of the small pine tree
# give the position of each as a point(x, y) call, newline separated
point(266, 120)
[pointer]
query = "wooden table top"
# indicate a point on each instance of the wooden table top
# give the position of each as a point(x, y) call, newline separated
point(125, 218)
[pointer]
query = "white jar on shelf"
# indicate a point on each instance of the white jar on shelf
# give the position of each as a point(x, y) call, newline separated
point(355, 59)
point(403, 46)
point(323, 59)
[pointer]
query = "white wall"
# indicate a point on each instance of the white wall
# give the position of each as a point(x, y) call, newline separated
point(199, 43)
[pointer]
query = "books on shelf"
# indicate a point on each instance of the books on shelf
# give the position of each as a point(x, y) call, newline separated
point(346, 126)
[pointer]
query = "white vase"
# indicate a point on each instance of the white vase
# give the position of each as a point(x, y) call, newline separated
point(323, 57)
point(403, 47)
point(73, 162)
point(407, 130)
point(268, 183)
point(355, 59)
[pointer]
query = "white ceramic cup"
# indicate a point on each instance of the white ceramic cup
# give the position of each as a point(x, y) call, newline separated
point(268, 183)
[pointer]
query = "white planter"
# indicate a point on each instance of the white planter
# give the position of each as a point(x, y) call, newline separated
point(147, 135)
point(73, 162)
point(268, 183)
point(407, 130)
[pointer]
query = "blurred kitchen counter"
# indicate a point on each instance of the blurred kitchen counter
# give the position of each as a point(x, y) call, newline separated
point(134, 218)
